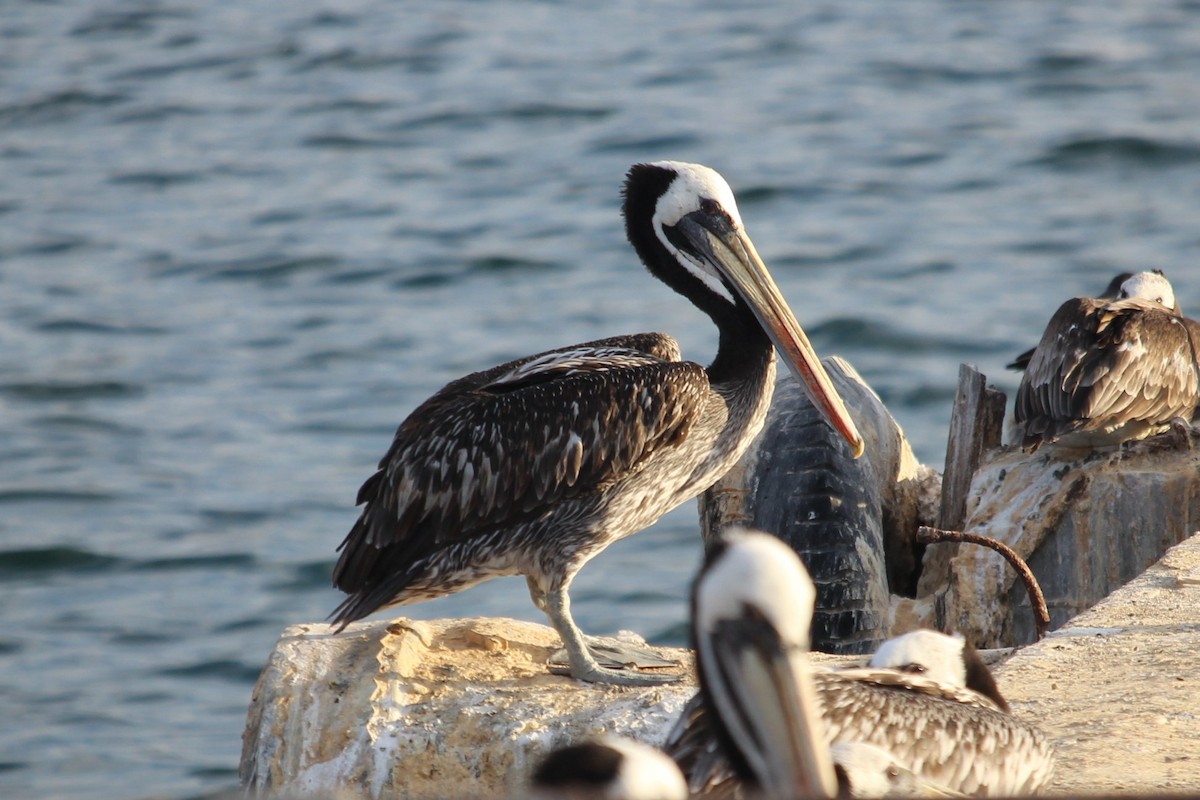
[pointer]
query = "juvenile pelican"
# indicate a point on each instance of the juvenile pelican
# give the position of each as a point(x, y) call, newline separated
point(948, 659)
point(1107, 372)
point(1111, 292)
point(951, 738)
point(535, 466)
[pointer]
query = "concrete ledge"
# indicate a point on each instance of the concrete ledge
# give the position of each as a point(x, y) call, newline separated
point(445, 708)
point(456, 708)
point(1118, 688)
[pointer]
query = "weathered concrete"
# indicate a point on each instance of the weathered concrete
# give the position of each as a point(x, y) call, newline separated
point(1118, 689)
point(446, 708)
point(457, 708)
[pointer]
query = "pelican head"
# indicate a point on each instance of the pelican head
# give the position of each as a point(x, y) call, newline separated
point(696, 243)
point(751, 612)
point(1152, 286)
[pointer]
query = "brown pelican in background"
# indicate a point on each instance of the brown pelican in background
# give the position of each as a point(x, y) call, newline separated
point(1106, 372)
point(610, 768)
point(1111, 292)
point(535, 466)
point(951, 738)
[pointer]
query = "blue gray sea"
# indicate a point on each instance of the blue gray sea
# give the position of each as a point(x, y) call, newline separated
point(239, 242)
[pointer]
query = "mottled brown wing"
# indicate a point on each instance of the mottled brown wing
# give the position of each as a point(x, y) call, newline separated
point(966, 747)
point(1143, 367)
point(952, 736)
point(1129, 360)
point(1043, 394)
point(501, 450)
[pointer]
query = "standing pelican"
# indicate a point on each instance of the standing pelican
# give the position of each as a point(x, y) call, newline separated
point(1106, 372)
point(952, 739)
point(535, 466)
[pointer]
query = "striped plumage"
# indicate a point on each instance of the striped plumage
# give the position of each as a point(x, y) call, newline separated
point(1106, 372)
point(947, 735)
point(535, 466)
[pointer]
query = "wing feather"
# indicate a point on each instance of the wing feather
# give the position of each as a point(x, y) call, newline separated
point(952, 737)
point(1102, 365)
point(498, 447)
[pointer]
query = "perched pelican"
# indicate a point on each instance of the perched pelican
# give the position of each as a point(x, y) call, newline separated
point(752, 607)
point(1111, 292)
point(948, 659)
point(951, 738)
point(1106, 372)
point(535, 466)
point(610, 768)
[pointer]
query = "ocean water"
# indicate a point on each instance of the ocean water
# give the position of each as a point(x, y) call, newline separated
point(240, 241)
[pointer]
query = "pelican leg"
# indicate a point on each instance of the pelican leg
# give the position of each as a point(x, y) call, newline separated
point(584, 666)
point(536, 593)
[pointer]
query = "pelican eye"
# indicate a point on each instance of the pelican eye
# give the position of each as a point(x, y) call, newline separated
point(917, 668)
point(710, 206)
point(893, 772)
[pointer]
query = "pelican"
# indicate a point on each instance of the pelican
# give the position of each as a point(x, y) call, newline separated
point(948, 659)
point(1111, 292)
point(609, 768)
point(1107, 372)
point(535, 466)
point(952, 739)
point(752, 608)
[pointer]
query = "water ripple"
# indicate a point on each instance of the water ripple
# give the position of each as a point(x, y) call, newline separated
point(853, 332)
point(203, 562)
point(42, 560)
point(219, 669)
point(135, 21)
point(664, 145)
point(1137, 151)
point(53, 391)
point(55, 496)
point(56, 107)
point(96, 328)
point(157, 179)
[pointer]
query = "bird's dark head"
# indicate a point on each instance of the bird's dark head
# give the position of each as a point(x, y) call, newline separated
point(676, 214)
point(683, 221)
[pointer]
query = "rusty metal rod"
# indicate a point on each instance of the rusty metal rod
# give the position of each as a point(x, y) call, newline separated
point(1037, 601)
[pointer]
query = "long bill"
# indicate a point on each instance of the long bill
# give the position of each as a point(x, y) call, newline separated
point(737, 258)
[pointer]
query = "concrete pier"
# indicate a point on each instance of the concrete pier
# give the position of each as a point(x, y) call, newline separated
point(457, 708)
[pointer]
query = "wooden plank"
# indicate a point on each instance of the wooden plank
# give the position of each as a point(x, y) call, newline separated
point(975, 425)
